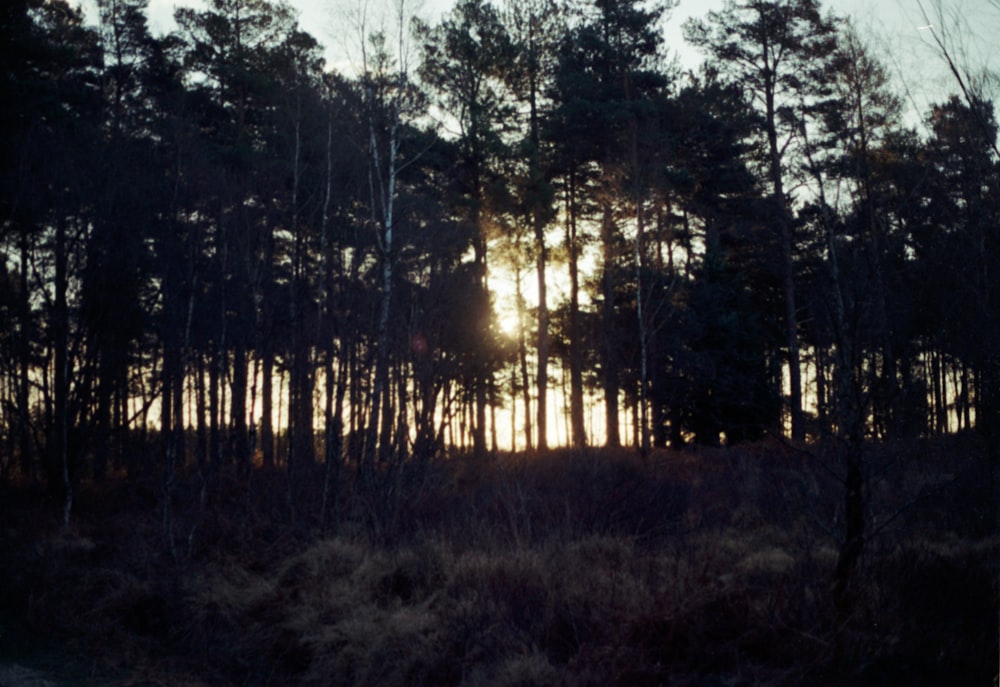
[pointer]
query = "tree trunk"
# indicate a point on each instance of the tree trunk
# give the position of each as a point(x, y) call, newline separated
point(201, 404)
point(578, 427)
point(238, 407)
point(267, 405)
point(522, 353)
point(26, 457)
point(385, 226)
point(786, 241)
point(214, 405)
point(333, 423)
point(609, 340)
point(334, 439)
point(538, 223)
point(60, 343)
point(543, 338)
point(850, 415)
point(642, 418)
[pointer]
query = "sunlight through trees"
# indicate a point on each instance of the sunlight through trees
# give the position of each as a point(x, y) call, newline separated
point(219, 252)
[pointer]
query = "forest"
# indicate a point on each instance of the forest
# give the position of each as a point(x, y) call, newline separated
point(257, 284)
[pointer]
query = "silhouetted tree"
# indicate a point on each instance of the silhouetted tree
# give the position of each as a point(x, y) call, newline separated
point(776, 50)
point(466, 58)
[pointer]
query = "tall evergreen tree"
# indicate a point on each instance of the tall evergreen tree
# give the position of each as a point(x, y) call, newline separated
point(609, 77)
point(227, 54)
point(465, 60)
point(776, 49)
point(535, 27)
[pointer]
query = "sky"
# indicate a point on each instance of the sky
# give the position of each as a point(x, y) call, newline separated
point(968, 27)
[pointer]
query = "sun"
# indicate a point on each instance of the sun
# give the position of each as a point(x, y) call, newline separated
point(503, 286)
point(508, 322)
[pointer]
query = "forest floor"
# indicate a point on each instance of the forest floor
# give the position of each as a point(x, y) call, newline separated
point(701, 567)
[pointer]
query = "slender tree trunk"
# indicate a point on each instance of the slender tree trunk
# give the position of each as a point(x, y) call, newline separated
point(482, 377)
point(385, 200)
point(850, 437)
point(522, 352)
point(578, 427)
point(169, 450)
point(538, 223)
point(609, 341)
point(792, 335)
point(940, 409)
point(335, 385)
point(389, 412)
point(238, 406)
point(302, 364)
point(201, 403)
point(267, 405)
point(642, 418)
point(852, 546)
point(849, 413)
point(482, 383)
point(60, 335)
point(171, 406)
point(27, 459)
point(543, 338)
point(822, 400)
point(214, 430)
point(102, 415)
point(265, 351)
point(786, 241)
point(356, 447)
point(180, 441)
point(334, 441)
point(217, 388)
point(967, 400)
point(121, 419)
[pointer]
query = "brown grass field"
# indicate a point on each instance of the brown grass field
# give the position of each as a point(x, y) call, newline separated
point(707, 568)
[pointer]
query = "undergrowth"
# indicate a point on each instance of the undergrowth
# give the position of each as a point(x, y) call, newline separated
point(707, 567)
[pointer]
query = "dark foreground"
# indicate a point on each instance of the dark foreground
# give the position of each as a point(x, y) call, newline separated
point(707, 568)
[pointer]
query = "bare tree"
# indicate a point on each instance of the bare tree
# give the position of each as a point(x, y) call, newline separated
point(388, 97)
point(948, 29)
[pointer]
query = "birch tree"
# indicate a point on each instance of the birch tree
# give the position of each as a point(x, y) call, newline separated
point(390, 99)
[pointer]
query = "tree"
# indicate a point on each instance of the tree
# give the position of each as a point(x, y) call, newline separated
point(606, 89)
point(387, 93)
point(712, 347)
point(776, 49)
point(228, 47)
point(946, 29)
point(728, 388)
point(50, 115)
point(128, 173)
point(964, 247)
point(535, 28)
point(465, 59)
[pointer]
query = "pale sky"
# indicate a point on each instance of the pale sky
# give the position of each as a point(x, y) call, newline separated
point(890, 26)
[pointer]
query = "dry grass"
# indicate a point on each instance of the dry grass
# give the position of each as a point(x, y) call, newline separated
point(695, 568)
